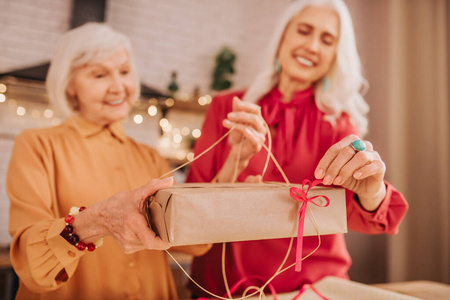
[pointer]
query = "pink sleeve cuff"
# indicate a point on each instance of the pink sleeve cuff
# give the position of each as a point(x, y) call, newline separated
point(386, 219)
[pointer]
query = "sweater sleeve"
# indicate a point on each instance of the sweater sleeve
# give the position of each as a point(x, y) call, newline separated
point(40, 256)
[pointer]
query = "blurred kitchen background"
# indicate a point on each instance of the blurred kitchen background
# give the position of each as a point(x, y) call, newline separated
point(404, 46)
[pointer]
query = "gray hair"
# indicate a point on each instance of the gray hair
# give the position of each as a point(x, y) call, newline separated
point(346, 82)
point(89, 43)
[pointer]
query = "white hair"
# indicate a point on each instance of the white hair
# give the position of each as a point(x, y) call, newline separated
point(89, 43)
point(346, 84)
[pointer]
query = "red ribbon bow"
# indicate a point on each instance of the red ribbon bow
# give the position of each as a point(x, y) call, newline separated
point(301, 195)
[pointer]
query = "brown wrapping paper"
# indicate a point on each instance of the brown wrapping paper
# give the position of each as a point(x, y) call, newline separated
point(201, 213)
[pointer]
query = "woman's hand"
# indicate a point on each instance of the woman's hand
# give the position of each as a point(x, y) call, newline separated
point(120, 216)
point(359, 171)
point(249, 128)
point(245, 140)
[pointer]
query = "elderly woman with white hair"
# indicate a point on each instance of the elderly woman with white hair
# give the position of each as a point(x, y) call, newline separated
point(310, 95)
point(75, 184)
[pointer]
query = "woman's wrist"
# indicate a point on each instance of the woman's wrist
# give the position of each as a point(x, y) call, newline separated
point(236, 157)
point(372, 203)
point(73, 233)
point(88, 225)
point(231, 168)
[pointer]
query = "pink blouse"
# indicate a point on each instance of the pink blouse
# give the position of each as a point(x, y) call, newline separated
point(300, 137)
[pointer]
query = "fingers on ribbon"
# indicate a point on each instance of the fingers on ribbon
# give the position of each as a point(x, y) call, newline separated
point(371, 168)
point(248, 119)
point(249, 133)
point(239, 105)
point(235, 137)
point(334, 168)
point(255, 136)
point(330, 156)
point(227, 123)
point(341, 162)
point(352, 167)
point(236, 103)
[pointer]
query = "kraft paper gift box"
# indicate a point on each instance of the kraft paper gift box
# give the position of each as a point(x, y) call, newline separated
point(202, 213)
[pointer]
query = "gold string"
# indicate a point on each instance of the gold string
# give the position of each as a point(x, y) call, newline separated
point(268, 149)
point(270, 155)
point(236, 165)
point(200, 155)
point(202, 288)
point(280, 269)
point(224, 273)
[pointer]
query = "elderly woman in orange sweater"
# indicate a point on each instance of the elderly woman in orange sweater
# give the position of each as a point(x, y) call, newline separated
point(107, 251)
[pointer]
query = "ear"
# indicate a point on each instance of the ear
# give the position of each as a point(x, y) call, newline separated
point(70, 89)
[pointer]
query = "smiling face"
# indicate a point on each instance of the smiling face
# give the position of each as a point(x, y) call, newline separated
point(104, 91)
point(308, 48)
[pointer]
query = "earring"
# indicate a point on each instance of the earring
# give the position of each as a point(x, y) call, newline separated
point(325, 84)
point(277, 65)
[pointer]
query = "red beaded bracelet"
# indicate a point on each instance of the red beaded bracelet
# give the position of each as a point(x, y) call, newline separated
point(72, 238)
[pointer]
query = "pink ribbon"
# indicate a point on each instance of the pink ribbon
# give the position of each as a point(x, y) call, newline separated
point(309, 286)
point(301, 196)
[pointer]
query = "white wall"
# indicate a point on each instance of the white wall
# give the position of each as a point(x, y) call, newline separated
point(171, 35)
point(185, 36)
point(29, 31)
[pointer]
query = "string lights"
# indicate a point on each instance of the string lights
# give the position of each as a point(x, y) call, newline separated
point(175, 143)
